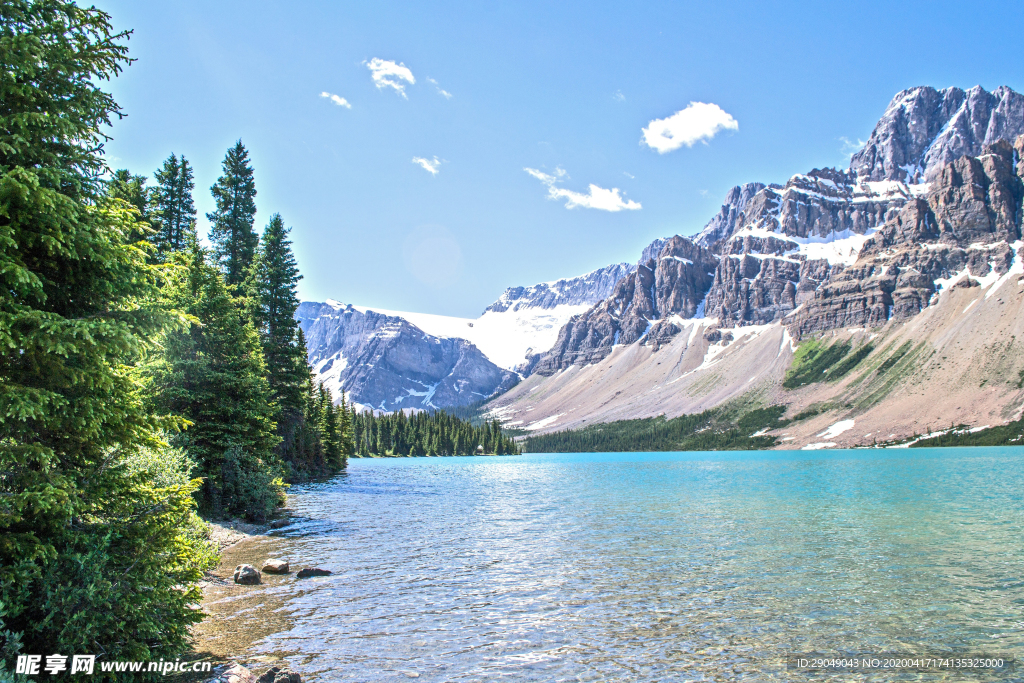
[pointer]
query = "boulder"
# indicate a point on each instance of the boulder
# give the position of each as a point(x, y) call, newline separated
point(273, 566)
point(307, 572)
point(247, 575)
point(235, 673)
point(280, 523)
point(276, 674)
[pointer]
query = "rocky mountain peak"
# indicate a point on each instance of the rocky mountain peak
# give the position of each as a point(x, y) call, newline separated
point(730, 216)
point(387, 363)
point(924, 129)
point(585, 289)
point(642, 305)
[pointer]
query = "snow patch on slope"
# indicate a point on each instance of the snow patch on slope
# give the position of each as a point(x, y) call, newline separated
point(837, 429)
point(835, 247)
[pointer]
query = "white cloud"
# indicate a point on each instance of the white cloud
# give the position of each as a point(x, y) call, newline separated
point(440, 91)
point(431, 166)
point(595, 198)
point(545, 178)
point(850, 148)
point(699, 122)
point(629, 175)
point(389, 74)
point(337, 99)
point(618, 96)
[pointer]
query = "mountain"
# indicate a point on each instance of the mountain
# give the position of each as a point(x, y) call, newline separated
point(864, 274)
point(582, 290)
point(722, 225)
point(386, 363)
point(923, 129)
point(394, 359)
point(672, 285)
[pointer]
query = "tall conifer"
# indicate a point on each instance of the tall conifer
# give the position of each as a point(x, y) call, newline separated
point(231, 222)
point(273, 302)
point(213, 375)
point(173, 208)
point(92, 559)
point(132, 189)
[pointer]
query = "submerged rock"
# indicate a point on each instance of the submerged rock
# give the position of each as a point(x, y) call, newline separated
point(306, 572)
point(247, 575)
point(273, 566)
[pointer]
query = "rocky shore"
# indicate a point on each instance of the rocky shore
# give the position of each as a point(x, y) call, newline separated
point(252, 558)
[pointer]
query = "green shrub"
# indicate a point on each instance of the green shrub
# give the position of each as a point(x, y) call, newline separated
point(815, 361)
point(843, 367)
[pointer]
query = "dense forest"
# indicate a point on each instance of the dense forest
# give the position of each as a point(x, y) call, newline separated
point(144, 379)
point(435, 433)
point(1009, 434)
point(718, 429)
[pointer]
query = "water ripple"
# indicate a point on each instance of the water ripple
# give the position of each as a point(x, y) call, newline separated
point(646, 567)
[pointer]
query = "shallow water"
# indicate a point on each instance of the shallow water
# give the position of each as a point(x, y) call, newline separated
point(639, 567)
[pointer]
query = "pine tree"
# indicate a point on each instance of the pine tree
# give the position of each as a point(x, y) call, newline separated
point(345, 430)
point(93, 556)
point(132, 189)
point(273, 302)
point(173, 210)
point(231, 222)
point(213, 375)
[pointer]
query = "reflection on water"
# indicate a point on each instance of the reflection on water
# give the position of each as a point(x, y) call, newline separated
point(641, 566)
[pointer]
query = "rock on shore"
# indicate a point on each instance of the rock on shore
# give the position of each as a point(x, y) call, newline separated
point(247, 575)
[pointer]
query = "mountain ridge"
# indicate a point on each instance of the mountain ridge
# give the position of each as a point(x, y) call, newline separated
point(495, 349)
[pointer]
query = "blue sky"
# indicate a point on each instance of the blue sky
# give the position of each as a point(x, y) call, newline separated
point(563, 88)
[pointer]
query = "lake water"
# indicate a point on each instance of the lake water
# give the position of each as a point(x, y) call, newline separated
point(639, 567)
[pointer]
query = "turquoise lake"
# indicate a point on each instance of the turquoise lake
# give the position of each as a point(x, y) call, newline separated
point(644, 567)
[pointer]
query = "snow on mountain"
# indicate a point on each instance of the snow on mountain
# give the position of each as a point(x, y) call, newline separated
point(524, 321)
point(388, 363)
point(392, 360)
point(505, 337)
point(585, 289)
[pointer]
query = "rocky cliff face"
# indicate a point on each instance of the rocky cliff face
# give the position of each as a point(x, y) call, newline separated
point(924, 129)
point(965, 230)
point(586, 289)
point(673, 284)
point(386, 363)
point(730, 216)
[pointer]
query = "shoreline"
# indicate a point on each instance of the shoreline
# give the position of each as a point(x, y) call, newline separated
point(230, 536)
point(226, 533)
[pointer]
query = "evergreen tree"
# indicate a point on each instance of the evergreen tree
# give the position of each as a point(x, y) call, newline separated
point(231, 222)
point(173, 211)
point(94, 556)
point(437, 433)
point(213, 375)
point(345, 430)
point(132, 189)
point(273, 302)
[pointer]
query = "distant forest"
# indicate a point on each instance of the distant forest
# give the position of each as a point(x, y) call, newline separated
point(428, 434)
point(718, 429)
